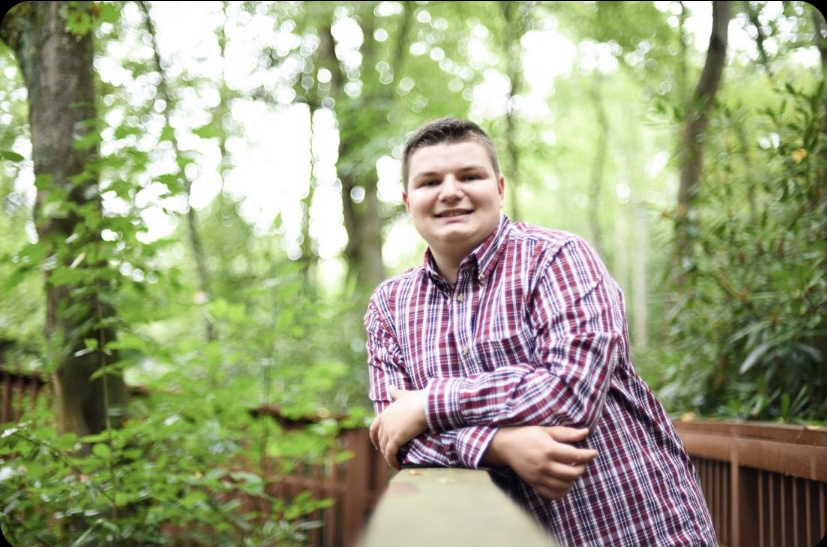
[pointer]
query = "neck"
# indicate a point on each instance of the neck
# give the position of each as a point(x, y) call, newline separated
point(447, 266)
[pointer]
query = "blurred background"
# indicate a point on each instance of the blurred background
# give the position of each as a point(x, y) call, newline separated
point(201, 235)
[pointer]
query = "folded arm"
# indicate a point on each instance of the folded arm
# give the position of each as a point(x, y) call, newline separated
point(579, 328)
point(579, 325)
point(407, 435)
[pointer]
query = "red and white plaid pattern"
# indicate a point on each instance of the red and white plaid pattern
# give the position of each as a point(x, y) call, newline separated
point(534, 332)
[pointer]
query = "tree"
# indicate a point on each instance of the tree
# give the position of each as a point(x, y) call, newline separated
point(693, 143)
point(54, 47)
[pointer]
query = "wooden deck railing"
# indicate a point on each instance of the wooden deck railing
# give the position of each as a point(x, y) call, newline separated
point(353, 485)
point(765, 484)
point(20, 391)
point(438, 507)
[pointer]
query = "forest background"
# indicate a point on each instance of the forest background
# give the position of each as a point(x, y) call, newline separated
point(199, 198)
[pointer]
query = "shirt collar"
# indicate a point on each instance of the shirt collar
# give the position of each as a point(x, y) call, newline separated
point(485, 255)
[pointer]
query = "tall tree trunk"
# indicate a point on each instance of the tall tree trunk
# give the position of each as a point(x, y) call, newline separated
point(57, 69)
point(196, 245)
point(514, 15)
point(692, 146)
point(363, 219)
point(598, 167)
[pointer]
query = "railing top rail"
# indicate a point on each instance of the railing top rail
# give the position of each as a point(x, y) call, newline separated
point(449, 507)
point(806, 435)
point(27, 375)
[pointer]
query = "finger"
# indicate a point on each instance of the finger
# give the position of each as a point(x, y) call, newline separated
point(563, 473)
point(579, 456)
point(374, 432)
point(387, 448)
point(552, 493)
point(395, 392)
point(567, 434)
point(554, 488)
point(390, 451)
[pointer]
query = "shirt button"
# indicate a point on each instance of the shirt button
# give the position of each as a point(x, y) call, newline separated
point(465, 351)
point(460, 298)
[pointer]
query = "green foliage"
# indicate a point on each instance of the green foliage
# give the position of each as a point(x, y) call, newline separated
point(746, 338)
point(22, 304)
point(179, 472)
point(750, 330)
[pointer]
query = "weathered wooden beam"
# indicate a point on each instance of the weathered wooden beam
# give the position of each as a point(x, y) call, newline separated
point(452, 508)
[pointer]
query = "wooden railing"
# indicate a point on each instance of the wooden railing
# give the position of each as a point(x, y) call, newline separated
point(354, 484)
point(452, 508)
point(765, 484)
point(20, 391)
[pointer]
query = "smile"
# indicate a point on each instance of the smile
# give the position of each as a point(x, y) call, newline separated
point(454, 213)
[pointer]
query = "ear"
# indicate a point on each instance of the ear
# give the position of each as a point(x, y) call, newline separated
point(405, 201)
point(501, 189)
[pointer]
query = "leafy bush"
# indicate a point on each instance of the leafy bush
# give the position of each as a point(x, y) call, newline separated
point(749, 331)
point(178, 475)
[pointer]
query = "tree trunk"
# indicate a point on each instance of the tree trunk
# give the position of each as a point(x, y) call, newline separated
point(57, 69)
point(692, 146)
point(598, 166)
point(194, 235)
point(514, 16)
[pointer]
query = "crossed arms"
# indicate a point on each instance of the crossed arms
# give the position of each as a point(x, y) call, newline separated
point(525, 415)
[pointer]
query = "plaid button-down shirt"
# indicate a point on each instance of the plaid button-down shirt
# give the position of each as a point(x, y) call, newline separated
point(534, 332)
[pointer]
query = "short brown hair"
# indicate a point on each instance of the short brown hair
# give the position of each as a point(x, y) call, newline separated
point(447, 130)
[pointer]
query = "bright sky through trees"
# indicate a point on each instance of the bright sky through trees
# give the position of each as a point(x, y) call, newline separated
point(271, 165)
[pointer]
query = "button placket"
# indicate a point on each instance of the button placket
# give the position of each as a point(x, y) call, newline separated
point(463, 332)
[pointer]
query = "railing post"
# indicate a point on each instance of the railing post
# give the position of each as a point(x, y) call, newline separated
point(356, 484)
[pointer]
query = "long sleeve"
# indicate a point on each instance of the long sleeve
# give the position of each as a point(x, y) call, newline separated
point(463, 447)
point(576, 320)
point(533, 332)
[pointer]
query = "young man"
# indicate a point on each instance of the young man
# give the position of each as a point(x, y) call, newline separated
point(508, 350)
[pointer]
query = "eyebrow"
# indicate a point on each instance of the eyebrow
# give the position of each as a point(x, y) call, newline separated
point(466, 169)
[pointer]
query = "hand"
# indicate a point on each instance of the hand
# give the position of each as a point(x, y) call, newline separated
point(541, 456)
point(400, 422)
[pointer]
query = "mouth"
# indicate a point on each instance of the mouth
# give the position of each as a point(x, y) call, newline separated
point(453, 213)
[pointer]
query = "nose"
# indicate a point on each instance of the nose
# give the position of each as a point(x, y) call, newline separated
point(450, 189)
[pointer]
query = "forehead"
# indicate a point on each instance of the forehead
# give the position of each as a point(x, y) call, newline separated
point(449, 157)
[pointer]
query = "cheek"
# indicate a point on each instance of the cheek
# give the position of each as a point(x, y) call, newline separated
point(416, 205)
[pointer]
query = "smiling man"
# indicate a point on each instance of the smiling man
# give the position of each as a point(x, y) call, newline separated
point(508, 350)
point(454, 198)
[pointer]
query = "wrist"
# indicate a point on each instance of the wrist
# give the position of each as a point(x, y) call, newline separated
point(497, 454)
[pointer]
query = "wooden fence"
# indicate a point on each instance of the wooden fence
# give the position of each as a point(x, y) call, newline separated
point(765, 484)
point(354, 485)
point(20, 391)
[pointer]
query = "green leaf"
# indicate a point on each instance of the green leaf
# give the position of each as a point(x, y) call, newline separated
point(754, 356)
point(10, 156)
point(208, 131)
point(107, 12)
point(102, 450)
point(121, 498)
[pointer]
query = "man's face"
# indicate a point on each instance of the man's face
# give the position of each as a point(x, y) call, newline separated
point(453, 197)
